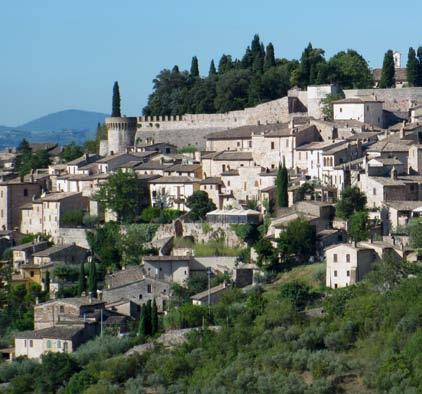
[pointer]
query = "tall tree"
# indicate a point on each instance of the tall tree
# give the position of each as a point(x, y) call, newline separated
point(351, 201)
point(269, 57)
point(121, 194)
point(418, 78)
point(412, 67)
point(154, 318)
point(213, 70)
point(388, 71)
point(225, 64)
point(282, 184)
point(148, 317)
point(143, 322)
point(116, 101)
point(47, 282)
point(81, 279)
point(358, 226)
point(194, 68)
point(92, 278)
point(199, 204)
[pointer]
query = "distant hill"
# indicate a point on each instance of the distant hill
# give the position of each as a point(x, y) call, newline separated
point(60, 127)
point(71, 119)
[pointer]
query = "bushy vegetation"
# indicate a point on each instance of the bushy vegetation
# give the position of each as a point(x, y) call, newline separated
point(255, 78)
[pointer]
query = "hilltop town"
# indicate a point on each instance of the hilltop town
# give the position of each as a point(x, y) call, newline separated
point(183, 222)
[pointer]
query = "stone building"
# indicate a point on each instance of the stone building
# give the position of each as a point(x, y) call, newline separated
point(66, 254)
point(14, 194)
point(364, 110)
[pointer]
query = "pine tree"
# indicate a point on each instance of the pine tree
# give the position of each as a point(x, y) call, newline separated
point(269, 57)
point(154, 318)
point(282, 183)
point(213, 70)
point(412, 67)
point(194, 68)
point(116, 100)
point(81, 279)
point(92, 278)
point(388, 71)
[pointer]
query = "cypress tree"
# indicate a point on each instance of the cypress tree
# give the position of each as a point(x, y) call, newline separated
point(388, 71)
point(47, 282)
point(148, 318)
point(412, 67)
point(213, 70)
point(255, 46)
point(418, 78)
point(143, 322)
point(116, 100)
point(282, 183)
point(194, 68)
point(154, 318)
point(269, 57)
point(81, 279)
point(92, 278)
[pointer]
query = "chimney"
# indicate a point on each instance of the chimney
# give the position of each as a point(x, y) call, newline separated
point(402, 134)
point(90, 297)
point(393, 173)
point(86, 156)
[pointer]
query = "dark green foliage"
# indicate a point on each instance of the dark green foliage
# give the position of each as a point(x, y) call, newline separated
point(71, 152)
point(306, 189)
point(232, 92)
point(282, 185)
point(133, 242)
point(247, 233)
point(72, 217)
point(105, 243)
point(199, 204)
point(269, 57)
point(159, 215)
point(82, 279)
point(213, 70)
point(154, 318)
point(186, 316)
point(194, 68)
point(388, 71)
point(26, 160)
point(351, 201)
point(92, 278)
point(47, 282)
point(266, 253)
point(327, 104)
point(412, 67)
point(418, 79)
point(358, 226)
point(349, 70)
point(121, 194)
point(415, 233)
point(116, 101)
point(56, 369)
point(297, 241)
point(296, 292)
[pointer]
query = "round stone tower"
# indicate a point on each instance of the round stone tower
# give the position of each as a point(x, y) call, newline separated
point(120, 133)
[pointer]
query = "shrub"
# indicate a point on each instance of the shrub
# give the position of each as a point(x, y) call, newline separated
point(295, 292)
point(90, 220)
point(187, 316)
point(73, 217)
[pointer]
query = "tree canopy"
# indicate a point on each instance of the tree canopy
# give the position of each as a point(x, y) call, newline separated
point(199, 204)
point(351, 201)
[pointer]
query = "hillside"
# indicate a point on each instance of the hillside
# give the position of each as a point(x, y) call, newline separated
point(70, 119)
point(60, 127)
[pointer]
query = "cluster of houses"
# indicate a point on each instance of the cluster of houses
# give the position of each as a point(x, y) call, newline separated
point(358, 147)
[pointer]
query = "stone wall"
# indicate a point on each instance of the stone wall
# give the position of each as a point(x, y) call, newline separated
point(73, 235)
point(394, 99)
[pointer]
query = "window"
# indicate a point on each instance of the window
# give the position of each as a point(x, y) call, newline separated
point(48, 344)
point(335, 274)
point(223, 168)
point(149, 289)
point(24, 342)
point(238, 143)
point(228, 183)
point(140, 296)
point(61, 309)
point(348, 273)
point(272, 145)
point(244, 186)
point(250, 144)
point(335, 286)
point(31, 343)
point(335, 257)
point(59, 344)
point(25, 192)
point(374, 191)
point(32, 274)
point(65, 346)
point(287, 143)
point(341, 109)
point(348, 258)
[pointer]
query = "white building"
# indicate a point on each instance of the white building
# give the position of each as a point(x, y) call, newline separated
point(364, 110)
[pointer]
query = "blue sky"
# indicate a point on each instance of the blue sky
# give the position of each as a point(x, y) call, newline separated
point(58, 54)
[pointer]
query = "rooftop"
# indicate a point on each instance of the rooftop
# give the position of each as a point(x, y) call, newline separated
point(55, 249)
point(56, 332)
point(357, 100)
point(59, 196)
point(233, 155)
point(175, 179)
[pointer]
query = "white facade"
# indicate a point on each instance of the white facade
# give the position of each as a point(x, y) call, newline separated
point(370, 112)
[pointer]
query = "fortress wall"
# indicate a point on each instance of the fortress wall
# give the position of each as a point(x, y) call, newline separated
point(394, 99)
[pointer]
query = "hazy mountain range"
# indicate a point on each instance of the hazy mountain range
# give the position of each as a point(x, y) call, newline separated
point(60, 127)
